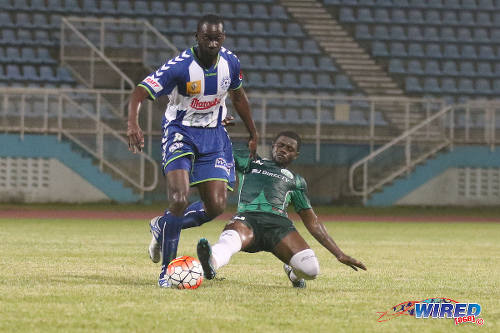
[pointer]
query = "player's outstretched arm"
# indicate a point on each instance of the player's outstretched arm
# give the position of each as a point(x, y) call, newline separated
point(240, 102)
point(134, 131)
point(318, 230)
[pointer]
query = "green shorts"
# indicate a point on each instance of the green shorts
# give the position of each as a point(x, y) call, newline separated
point(268, 229)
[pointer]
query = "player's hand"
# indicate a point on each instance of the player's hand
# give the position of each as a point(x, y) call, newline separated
point(252, 147)
point(228, 121)
point(135, 138)
point(351, 262)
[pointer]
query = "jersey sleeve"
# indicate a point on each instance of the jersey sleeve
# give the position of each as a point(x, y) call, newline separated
point(236, 75)
point(163, 81)
point(241, 159)
point(299, 198)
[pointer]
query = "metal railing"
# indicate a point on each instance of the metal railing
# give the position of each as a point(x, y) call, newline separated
point(71, 113)
point(473, 123)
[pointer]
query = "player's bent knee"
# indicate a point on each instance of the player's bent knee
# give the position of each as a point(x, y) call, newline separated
point(305, 264)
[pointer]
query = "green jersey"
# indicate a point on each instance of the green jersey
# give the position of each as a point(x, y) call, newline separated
point(266, 187)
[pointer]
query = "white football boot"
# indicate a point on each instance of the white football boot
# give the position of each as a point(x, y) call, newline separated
point(155, 245)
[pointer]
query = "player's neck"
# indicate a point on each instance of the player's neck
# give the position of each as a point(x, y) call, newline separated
point(205, 60)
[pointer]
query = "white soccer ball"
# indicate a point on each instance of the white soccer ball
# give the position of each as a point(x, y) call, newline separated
point(184, 273)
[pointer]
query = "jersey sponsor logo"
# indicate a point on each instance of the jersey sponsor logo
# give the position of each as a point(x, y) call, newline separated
point(225, 82)
point(287, 173)
point(237, 217)
point(259, 162)
point(193, 87)
point(175, 146)
point(223, 164)
point(153, 83)
point(204, 105)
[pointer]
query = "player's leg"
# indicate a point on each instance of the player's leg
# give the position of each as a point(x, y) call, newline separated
point(236, 236)
point(300, 261)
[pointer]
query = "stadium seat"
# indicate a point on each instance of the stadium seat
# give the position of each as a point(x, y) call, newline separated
point(415, 50)
point(243, 28)
point(272, 80)
point(396, 66)
point(431, 85)
point(432, 68)
point(466, 18)
point(486, 52)
point(415, 67)
point(242, 10)
point(481, 35)
point(379, 49)
point(431, 34)
point(292, 46)
point(451, 51)
point(294, 30)
point(157, 7)
point(450, 68)
point(382, 15)
point(433, 51)
point(449, 18)
point(363, 32)
point(399, 16)
point(484, 19)
point(64, 76)
point(12, 55)
point(326, 64)
point(467, 68)
point(469, 52)
point(275, 116)
point(346, 15)
point(276, 29)
point(398, 50)
point(397, 33)
point(174, 8)
point(260, 11)
point(276, 62)
point(415, 16)
point(255, 80)
point(449, 85)
point(275, 45)
point(278, 12)
point(381, 33)
point(414, 33)
point(447, 34)
point(13, 73)
point(6, 21)
point(30, 74)
point(342, 82)
point(483, 87)
point(464, 35)
point(365, 15)
point(484, 69)
point(465, 86)
point(261, 62)
point(292, 61)
point(290, 81)
point(90, 7)
point(310, 46)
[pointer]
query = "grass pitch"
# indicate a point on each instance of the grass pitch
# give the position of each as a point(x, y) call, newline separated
point(96, 276)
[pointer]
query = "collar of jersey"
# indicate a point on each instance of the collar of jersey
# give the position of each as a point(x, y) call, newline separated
point(198, 61)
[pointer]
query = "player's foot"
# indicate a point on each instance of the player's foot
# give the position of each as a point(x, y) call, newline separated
point(296, 284)
point(155, 245)
point(163, 281)
point(204, 251)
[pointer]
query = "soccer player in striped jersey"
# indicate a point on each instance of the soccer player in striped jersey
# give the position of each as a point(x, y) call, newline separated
point(266, 188)
point(196, 149)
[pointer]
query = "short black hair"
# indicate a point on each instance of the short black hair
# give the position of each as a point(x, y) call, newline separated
point(291, 135)
point(210, 19)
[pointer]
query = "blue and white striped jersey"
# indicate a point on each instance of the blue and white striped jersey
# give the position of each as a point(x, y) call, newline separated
point(197, 95)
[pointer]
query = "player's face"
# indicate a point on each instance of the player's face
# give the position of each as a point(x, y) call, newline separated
point(210, 38)
point(285, 150)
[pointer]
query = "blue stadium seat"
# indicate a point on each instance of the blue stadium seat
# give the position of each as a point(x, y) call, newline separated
point(306, 81)
point(414, 33)
point(399, 16)
point(275, 116)
point(208, 8)
point(276, 29)
point(227, 9)
point(484, 19)
point(272, 80)
point(243, 45)
point(486, 52)
point(242, 10)
point(193, 9)
point(260, 11)
point(259, 29)
point(496, 87)
point(13, 73)
point(276, 63)
point(310, 46)
point(142, 8)
point(484, 69)
point(451, 51)
point(243, 28)
point(400, 3)
point(64, 76)
point(292, 116)
point(483, 87)
point(174, 8)
point(415, 50)
point(30, 74)
point(278, 12)
point(38, 6)
point(452, 4)
point(28, 55)
point(255, 80)
point(363, 32)
point(107, 7)
point(449, 85)
point(450, 18)
point(447, 34)
point(379, 49)
point(481, 35)
point(432, 17)
point(466, 18)
point(365, 15)
point(290, 81)
point(485, 4)
point(497, 69)
point(275, 45)
point(468, 52)
point(382, 15)
point(467, 68)
point(431, 34)
point(261, 62)
point(326, 64)
point(346, 15)
point(294, 30)
point(381, 32)
point(415, 67)
point(433, 51)
point(432, 68)
point(450, 68)
point(465, 86)
point(415, 16)
point(308, 116)
point(431, 85)
point(292, 46)
point(90, 7)
point(396, 66)
point(464, 35)
point(6, 21)
point(158, 8)
point(397, 33)
point(292, 62)
point(342, 82)
point(398, 50)
point(324, 81)
point(12, 55)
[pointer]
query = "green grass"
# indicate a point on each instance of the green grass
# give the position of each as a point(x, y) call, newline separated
point(96, 276)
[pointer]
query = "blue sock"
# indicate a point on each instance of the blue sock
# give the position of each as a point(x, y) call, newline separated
point(195, 215)
point(171, 233)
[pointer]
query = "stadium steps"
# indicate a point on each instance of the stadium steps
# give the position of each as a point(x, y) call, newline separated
point(352, 58)
point(48, 146)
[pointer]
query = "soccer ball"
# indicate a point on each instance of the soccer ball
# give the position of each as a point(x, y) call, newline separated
point(184, 273)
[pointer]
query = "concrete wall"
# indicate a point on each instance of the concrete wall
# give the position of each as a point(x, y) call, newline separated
point(44, 180)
